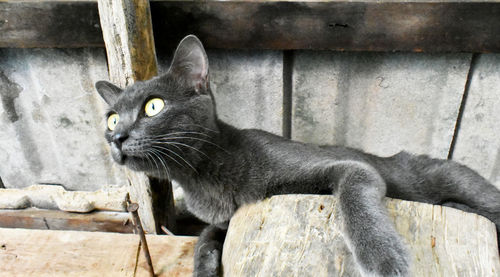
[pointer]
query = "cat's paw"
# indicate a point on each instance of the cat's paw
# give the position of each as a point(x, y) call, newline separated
point(207, 261)
point(383, 256)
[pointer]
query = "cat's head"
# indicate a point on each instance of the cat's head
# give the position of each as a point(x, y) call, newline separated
point(163, 122)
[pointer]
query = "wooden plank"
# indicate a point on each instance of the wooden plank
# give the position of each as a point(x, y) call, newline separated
point(49, 24)
point(430, 26)
point(287, 235)
point(130, 48)
point(128, 35)
point(172, 256)
point(58, 220)
point(69, 253)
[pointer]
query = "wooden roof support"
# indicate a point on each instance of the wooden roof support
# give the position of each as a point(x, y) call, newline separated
point(128, 36)
point(366, 25)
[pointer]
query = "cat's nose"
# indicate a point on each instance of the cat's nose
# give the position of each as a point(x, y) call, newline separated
point(119, 138)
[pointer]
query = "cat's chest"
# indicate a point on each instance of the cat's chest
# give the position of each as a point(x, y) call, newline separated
point(209, 200)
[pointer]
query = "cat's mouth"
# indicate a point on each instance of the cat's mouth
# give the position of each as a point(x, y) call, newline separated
point(123, 158)
point(117, 154)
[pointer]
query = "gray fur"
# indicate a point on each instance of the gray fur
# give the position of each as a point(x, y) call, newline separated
point(221, 168)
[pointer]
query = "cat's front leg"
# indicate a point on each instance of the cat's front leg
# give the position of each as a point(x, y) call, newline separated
point(376, 245)
point(208, 252)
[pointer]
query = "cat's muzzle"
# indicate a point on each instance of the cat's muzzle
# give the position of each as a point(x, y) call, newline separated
point(117, 154)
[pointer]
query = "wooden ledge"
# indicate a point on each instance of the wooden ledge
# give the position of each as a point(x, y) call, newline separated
point(287, 235)
point(70, 253)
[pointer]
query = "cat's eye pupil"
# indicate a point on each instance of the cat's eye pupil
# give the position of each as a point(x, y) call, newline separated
point(113, 121)
point(154, 106)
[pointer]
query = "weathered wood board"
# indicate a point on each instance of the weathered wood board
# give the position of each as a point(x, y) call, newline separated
point(49, 24)
point(381, 103)
point(130, 49)
point(300, 235)
point(68, 253)
point(338, 25)
point(478, 141)
point(58, 220)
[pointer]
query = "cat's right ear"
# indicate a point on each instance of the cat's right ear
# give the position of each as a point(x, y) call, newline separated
point(108, 91)
point(190, 63)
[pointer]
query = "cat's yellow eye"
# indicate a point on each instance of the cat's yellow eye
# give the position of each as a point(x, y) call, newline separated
point(112, 121)
point(154, 106)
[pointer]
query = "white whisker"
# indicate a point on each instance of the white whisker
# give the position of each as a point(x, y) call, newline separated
point(173, 152)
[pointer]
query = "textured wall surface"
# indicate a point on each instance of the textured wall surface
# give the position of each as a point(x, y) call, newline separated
point(51, 118)
point(478, 142)
point(381, 103)
point(247, 86)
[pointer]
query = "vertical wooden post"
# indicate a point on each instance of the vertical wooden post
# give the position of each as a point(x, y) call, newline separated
point(128, 36)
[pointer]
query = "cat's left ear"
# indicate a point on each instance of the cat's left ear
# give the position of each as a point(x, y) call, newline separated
point(190, 63)
point(108, 91)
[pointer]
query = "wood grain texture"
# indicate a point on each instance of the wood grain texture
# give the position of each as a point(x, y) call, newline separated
point(68, 253)
point(26, 24)
point(128, 35)
point(33, 218)
point(287, 235)
point(130, 48)
point(430, 26)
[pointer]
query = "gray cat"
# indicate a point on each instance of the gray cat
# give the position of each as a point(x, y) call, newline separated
point(168, 128)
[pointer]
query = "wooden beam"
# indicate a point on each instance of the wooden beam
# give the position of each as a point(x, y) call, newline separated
point(287, 234)
point(387, 25)
point(128, 35)
point(130, 48)
point(60, 220)
point(430, 26)
point(69, 253)
point(26, 24)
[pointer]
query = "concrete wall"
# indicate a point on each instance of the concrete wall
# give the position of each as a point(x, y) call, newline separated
point(51, 119)
point(52, 124)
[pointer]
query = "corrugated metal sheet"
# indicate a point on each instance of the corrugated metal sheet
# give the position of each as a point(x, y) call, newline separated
point(52, 119)
point(379, 102)
point(51, 124)
point(478, 143)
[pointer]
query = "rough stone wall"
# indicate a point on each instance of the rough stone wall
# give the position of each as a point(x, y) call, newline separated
point(51, 118)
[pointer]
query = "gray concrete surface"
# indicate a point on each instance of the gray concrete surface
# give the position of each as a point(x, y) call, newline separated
point(478, 142)
point(51, 117)
point(52, 120)
point(247, 86)
point(379, 102)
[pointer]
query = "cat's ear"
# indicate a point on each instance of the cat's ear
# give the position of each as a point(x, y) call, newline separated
point(108, 91)
point(190, 63)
